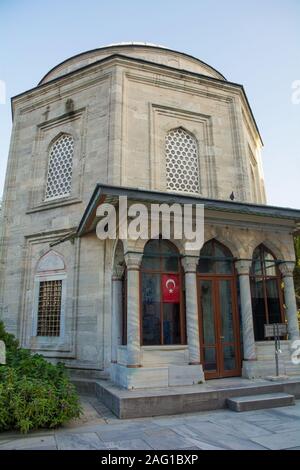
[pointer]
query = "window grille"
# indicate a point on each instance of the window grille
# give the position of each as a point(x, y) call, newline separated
point(49, 308)
point(182, 163)
point(59, 178)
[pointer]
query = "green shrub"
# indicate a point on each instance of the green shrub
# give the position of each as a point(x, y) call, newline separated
point(33, 393)
point(10, 341)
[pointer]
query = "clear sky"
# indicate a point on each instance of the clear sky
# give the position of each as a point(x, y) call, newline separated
point(253, 42)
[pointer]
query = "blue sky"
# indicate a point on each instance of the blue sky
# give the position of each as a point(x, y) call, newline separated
point(256, 43)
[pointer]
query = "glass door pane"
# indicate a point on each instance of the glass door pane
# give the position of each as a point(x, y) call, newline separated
point(274, 309)
point(208, 325)
point(151, 309)
point(258, 307)
point(229, 356)
point(227, 332)
point(171, 323)
point(227, 336)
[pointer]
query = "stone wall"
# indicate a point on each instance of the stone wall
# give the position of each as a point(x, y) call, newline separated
point(119, 114)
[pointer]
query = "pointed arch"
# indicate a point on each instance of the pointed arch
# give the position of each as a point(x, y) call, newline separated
point(272, 248)
point(50, 261)
point(182, 161)
point(215, 258)
point(224, 240)
point(60, 167)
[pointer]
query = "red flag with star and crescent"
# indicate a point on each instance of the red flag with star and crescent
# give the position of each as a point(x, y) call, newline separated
point(170, 288)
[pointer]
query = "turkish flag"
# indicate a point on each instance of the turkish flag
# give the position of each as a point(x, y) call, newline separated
point(170, 288)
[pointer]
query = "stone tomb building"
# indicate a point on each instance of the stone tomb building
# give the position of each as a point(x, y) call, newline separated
point(157, 126)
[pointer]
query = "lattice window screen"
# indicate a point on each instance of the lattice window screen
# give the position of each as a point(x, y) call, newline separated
point(182, 162)
point(49, 308)
point(59, 178)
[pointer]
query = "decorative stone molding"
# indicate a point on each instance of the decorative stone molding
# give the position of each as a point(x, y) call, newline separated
point(287, 268)
point(50, 261)
point(162, 120)
point(243, 267)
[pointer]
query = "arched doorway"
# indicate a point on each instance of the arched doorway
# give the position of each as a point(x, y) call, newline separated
point(162, 319)
point(218, 312)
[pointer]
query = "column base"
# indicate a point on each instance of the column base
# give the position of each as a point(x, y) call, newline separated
point(156, 377)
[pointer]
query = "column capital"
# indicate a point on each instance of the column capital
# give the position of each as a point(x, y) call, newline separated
point(118, 272)
point(133, 260)
point(189, 263)
point(287, 268)
point(243, 267)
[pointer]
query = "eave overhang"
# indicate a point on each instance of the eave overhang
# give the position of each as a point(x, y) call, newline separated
point(213, 208)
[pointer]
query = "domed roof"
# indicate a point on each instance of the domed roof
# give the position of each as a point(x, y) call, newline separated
point(139, 50)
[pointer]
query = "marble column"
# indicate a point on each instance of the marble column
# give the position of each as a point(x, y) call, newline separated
point(287, 270)
point(191, 305)
point(133, 262)
point(117, 311)
point(243, 268)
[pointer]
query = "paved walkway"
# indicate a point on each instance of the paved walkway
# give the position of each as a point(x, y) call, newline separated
point(277, 428)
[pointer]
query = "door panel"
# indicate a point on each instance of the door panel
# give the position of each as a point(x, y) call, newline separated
point(210, 359)
point(208, 312)
point(208, 325)
point(219, 326)
point(225, 303)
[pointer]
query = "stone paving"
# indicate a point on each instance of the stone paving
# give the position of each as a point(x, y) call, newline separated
point(99, 429)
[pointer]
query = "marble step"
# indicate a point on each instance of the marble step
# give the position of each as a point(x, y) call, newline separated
point(258, 402)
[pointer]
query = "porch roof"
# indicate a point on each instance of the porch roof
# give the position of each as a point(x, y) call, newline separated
point(219, 208)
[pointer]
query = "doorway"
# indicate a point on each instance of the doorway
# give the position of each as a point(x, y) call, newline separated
point(218, 312)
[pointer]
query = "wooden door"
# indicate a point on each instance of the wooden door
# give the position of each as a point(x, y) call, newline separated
point(219, 326)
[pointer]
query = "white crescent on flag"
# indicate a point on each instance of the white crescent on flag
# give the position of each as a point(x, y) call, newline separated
point(170, 285)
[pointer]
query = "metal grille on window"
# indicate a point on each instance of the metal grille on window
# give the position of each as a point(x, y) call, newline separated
point(49, 308)
point(59, 178)
point(182, 162)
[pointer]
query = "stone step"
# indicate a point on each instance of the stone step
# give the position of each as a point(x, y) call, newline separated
point(258, 402)
point(84, 386)
point(212, 395)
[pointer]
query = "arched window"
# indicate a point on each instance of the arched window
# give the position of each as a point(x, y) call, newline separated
point(267, 302)
point(162, 313)
point(182, 162)
point(59, 177)
point(50, 295)
point(215, 258)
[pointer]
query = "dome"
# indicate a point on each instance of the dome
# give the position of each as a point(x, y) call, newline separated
point(144, 51)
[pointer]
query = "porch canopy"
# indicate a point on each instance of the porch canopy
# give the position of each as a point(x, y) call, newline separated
point(214, 208)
